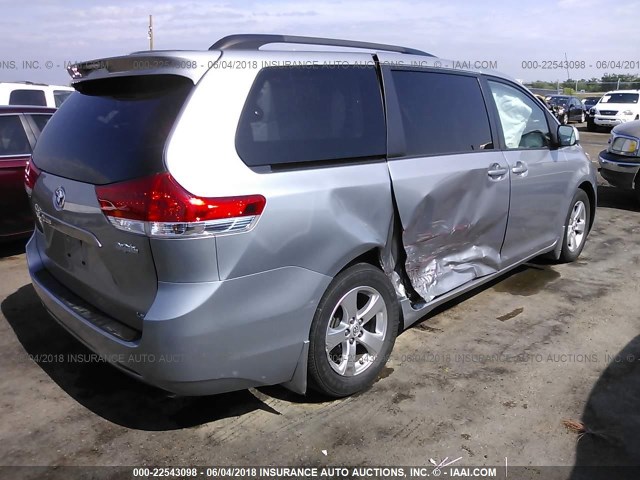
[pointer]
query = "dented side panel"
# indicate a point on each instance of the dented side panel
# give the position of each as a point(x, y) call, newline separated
point(453, 216)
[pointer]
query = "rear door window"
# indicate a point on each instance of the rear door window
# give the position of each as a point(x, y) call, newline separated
point(302, 114)
point(441, 113)
point(112, 130)
point(28, 97)
point(13, 139)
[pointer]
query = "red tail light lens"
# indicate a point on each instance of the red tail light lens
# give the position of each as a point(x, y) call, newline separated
point(167, 209)
point(31, 174)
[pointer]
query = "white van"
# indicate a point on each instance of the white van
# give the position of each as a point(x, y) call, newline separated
point(29, 93)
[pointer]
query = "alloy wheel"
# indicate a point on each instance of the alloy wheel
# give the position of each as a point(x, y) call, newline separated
point(356, 331)
point(577, 226)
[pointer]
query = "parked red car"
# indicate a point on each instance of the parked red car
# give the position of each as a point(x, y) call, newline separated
point(20, 126)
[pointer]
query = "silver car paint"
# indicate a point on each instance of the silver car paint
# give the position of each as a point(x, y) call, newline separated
point(453, 217)
point(236, 311)
point(120, 285)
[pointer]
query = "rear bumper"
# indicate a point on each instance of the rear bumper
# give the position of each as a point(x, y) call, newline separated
point(618, 170)
point(202, 338)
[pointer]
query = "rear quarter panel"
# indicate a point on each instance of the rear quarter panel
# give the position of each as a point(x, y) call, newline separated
point(315, 218)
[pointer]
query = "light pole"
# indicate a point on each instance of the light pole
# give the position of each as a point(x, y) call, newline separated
point(150, 32)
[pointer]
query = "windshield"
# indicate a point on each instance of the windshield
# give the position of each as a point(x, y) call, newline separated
point(620, 98)
point(559, 101)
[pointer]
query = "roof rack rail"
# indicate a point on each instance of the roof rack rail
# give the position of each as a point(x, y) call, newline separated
point(27, 82)
point(255, 41)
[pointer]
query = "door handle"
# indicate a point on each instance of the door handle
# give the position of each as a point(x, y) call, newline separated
point(496, 171)
point(520, 168)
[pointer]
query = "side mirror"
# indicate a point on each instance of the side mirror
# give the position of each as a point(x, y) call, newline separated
point(568, 136)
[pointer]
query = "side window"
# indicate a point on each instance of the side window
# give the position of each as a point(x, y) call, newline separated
point(302, 114)
point(40, 120)
point(13, 139)
point(60, 96)
point(28, 97)
point(441, 113)
point(524, 124)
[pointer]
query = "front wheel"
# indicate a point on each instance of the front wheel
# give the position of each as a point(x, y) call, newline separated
point(577, 227)
point(353, 331)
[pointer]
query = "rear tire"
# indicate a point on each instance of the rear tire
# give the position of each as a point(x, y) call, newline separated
point(577, 227)
point(353, 331)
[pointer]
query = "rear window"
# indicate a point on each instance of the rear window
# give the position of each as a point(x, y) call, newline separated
point(27, 97)
point(302, 114)
point(112, 130)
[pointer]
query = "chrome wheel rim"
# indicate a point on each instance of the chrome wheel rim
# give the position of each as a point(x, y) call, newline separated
point(577, 226)
point(356, 331)
point(565, 119)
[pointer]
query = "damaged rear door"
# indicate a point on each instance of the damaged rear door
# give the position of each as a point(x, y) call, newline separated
point(451, 185)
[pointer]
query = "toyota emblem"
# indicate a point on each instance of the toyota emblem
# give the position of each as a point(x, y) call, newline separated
point(59, 198)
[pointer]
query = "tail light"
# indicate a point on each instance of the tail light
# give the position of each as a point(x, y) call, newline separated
point(158, 206)
point(31, 174)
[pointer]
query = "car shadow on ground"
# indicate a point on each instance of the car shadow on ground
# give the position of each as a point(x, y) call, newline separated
point(612, 197)
point(612, 420)
point(582, 127)
point(102, 388)
point(13, 247)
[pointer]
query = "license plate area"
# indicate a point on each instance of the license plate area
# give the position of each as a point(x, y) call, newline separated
point(75, 252)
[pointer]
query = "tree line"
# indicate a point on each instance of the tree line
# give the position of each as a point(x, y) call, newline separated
point(603, 84)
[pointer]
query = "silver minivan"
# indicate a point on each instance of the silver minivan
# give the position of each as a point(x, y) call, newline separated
point(252, 215)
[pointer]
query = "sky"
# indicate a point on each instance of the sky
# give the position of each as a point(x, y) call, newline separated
point(38, 38)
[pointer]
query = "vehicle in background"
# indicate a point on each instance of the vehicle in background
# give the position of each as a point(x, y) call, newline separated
point(33, 94)
point(544, 101)
point(567, 108)
point(620, 162)
point(20, 127)
point(616, 107)
point(589, 103)
point(286, 234)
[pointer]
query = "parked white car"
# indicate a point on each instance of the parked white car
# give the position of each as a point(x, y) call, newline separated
point(35, 94)
point(615, 108)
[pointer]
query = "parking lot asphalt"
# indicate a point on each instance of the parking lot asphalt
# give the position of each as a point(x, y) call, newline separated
point(490, 376)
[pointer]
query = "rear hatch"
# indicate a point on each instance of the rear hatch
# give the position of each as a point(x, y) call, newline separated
point(111, 132)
